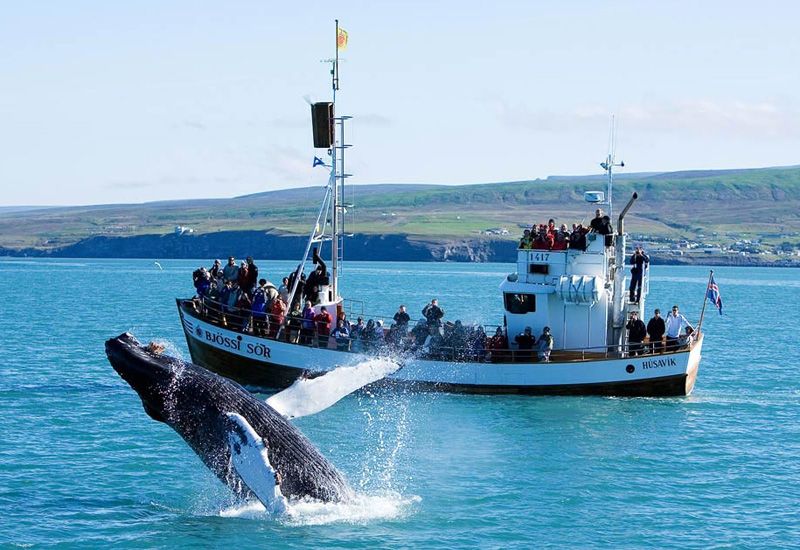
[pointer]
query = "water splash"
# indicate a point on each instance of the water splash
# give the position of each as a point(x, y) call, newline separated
point(360, 510)
point(386, 416)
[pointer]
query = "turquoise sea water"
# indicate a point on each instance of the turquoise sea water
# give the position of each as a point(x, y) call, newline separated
point(81, 465)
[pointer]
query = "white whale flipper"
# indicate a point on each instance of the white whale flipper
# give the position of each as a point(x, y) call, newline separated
point(311, 395)
point(251, 461)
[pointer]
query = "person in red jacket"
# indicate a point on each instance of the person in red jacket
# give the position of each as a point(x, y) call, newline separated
point(322, 322)
point(498, 346)
point(277, 315)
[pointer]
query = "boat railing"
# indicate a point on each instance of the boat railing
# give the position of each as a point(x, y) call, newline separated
point(298, 331)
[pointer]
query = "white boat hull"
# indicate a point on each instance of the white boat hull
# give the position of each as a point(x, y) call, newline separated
point(263, 363)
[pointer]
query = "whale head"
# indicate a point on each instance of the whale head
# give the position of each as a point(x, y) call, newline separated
point(144, 368)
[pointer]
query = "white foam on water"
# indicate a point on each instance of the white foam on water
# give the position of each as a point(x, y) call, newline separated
point(359, 510)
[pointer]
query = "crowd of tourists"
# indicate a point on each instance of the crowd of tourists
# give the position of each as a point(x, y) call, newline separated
point(229, 296)
point(549, 237)
point(235, 297)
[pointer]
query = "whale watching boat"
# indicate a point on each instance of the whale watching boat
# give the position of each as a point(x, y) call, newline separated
point(580, 294)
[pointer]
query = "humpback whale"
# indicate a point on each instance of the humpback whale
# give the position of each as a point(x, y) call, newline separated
point(249, 445)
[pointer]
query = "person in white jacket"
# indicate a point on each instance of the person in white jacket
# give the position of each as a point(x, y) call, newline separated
point(676, 323)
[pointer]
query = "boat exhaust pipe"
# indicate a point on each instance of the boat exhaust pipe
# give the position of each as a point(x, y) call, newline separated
point(620, 223)
point(618, 323)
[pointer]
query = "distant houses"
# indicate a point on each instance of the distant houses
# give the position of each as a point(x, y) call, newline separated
point(495, 231)
point(183, 230)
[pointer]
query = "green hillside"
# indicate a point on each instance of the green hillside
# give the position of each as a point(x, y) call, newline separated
point(724, 205)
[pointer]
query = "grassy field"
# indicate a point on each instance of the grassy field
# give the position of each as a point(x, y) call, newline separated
point(724, 205)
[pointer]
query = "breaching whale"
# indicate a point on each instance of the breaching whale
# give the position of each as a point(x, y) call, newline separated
point(249, 445)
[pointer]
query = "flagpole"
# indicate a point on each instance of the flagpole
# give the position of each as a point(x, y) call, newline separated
point(336, 63)
point(705, 299)
point(334, 175)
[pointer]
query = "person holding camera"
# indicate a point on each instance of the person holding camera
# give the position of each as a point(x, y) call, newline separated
point(639, 262)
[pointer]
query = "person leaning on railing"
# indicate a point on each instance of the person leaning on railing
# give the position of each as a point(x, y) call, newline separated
point(525, 342)
point(277, 316)
point(498, 346)
point(545, 345)
point(322, 323)
point(243, 307)
point(342, 335)
point(307, 324)
point(526, 242)
point(294, 323)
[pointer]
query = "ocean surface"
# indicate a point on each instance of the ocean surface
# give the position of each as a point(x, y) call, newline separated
point(82, 465)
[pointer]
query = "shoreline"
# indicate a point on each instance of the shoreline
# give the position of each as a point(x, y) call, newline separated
point(360, 247)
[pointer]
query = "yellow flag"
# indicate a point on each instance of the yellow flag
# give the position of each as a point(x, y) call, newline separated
point(341, 39)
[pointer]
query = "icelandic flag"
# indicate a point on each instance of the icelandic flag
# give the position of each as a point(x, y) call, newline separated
point(318, 162)
point(713, 294)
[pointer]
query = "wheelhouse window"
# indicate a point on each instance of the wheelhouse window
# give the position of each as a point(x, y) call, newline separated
point(542, 269)
point(520, 303)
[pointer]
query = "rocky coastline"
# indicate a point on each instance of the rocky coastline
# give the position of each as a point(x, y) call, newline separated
point(390, 247)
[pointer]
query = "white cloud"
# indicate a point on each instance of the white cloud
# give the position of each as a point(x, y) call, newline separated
point(290, 165)
point(756, 120)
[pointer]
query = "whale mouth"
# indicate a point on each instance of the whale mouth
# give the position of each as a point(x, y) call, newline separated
point(145, 370)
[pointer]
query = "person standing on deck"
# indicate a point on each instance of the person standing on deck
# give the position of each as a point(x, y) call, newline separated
point(433, 314)
point(322, 321)
point(525, 342)
point(656, 329)
point(636, 333)
point(545, 345)
point(401, 320)
point(230, 272)
point(252, 276)
point(342, 335)
point(639, 262)
point(675, 323)
point(307, 326)
point(284, 289)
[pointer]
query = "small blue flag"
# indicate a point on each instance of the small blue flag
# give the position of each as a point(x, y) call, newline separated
point(318, 162)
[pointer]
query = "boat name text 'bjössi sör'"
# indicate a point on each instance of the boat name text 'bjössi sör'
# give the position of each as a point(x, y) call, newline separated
point(236, 344)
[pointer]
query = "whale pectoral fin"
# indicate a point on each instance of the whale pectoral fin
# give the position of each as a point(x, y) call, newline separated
point(312, 395)
point(251, 462)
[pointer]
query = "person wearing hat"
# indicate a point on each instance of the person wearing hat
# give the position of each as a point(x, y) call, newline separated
point(655, 330)
point(636, 333)
point(545, 345)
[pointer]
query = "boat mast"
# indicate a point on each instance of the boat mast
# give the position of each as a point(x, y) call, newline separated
point(609, 165)
point(338, 174)
point(334, 175)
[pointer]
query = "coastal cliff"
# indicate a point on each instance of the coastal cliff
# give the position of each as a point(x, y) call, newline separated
point(260, 244)
point(270, 246)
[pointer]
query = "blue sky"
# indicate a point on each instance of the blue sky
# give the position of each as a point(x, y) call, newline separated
point(106, 102)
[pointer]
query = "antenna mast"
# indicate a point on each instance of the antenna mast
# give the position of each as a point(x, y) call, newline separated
point(609, 165)
point(338, 174)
